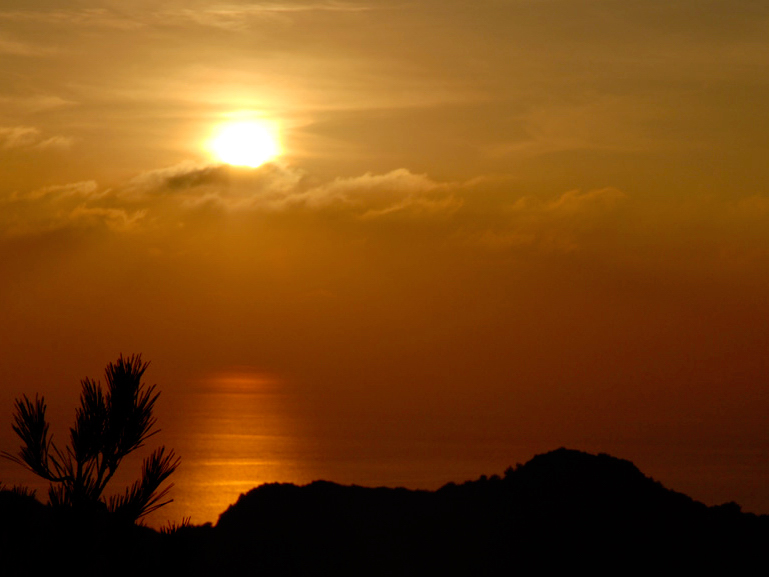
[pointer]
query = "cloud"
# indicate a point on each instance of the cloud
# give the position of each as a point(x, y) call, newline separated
point(418, 206)
point(368, 189)
point(563, 224)
point(61, 142)
point(77, 205)
point(400, 179)
point(196, 185)
point(32, 103)
point(87, 17)
point(606, 123)
point(30, 137)
point(570, 203)
point(575, 201)
point(18, 136)
point(395, 193)
point(16, 48)
point(232, 16)
point(322, 6)
point(180, 177)
point(227, 16)
point(484, 213)
point(280, 187)
point(170, 193)
point(114, 218)
point(84, 189)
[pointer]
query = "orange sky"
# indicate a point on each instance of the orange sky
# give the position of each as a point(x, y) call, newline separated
point(495, 229)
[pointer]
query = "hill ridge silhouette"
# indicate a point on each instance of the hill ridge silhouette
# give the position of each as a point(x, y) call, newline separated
point(563, 476)
point(561, 510)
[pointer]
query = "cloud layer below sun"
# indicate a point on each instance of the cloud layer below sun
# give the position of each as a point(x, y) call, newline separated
point(492, 212)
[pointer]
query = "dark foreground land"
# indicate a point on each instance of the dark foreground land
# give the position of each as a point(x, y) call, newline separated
point(564, 510)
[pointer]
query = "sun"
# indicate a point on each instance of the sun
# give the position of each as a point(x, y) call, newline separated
point(245, 143)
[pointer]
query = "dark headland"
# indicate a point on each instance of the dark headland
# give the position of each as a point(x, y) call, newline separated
point(563, 510)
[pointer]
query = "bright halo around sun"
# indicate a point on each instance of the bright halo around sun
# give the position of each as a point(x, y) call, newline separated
point(246, 143)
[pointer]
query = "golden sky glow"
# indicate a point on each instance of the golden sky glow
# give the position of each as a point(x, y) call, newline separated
point(480, 230)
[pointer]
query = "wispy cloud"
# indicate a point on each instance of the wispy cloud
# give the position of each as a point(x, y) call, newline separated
point(556, 225)
point(16, 48)
point(84, 189)
point(77, 205)
point(277, 187)
point(87, 17)
point(116, 219)
point(234, 15)
point(18, 136)
point(31, 138)
point(482, 213)
point(56, 142)
point(173, 191)
point(186, 175)
point(575, 201)
point(32, 103)
point(366, 189)
point(224, 15)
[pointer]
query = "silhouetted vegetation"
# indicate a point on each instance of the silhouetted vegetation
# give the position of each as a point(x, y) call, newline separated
point(561, 511)
point(109, 425)
point(564, 511)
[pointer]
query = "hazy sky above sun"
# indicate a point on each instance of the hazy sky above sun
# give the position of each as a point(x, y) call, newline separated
point(506, 223)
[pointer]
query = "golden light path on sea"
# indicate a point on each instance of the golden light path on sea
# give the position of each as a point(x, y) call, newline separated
point(240, 429)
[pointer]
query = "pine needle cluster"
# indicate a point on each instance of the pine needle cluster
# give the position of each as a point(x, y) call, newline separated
point(109, 424)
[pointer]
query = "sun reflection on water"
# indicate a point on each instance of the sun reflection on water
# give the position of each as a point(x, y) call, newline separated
point(240, 429)
point(234, 432)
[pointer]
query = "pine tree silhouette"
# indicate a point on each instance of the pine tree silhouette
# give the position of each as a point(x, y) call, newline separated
point(109, 424)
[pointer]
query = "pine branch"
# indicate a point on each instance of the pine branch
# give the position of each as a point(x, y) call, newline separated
point(109, 424)
point(31, 427)
point(143, 497)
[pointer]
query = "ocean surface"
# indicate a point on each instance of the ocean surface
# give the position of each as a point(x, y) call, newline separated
point(243, 430)
point(242, 437)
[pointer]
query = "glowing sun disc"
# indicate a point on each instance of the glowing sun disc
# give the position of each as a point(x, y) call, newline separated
point(245, 144)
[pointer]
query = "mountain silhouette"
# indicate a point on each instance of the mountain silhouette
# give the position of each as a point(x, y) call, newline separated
point(563, 510)
point(560, 510)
